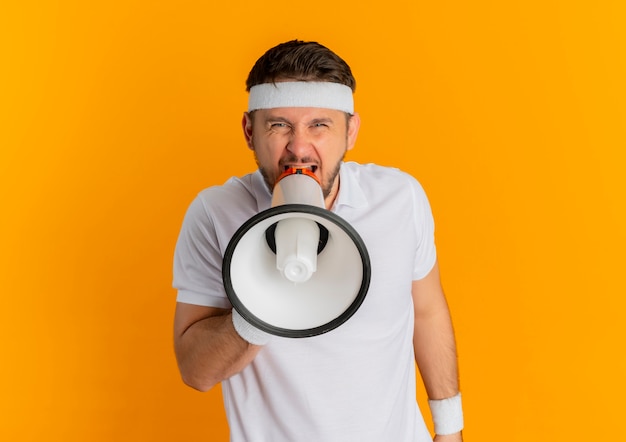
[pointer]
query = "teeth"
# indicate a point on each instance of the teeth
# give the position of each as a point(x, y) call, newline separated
point(312, 168)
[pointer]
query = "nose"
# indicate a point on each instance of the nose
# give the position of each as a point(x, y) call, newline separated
point(299, 144)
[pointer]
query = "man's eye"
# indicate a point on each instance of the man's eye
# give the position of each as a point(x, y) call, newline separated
point(320, 124)
point(278, 125)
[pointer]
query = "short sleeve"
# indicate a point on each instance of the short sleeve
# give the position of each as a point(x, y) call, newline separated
point(198, 260)
point(425, 250)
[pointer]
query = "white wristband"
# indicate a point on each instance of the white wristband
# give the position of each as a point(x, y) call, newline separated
point(248, 331)
point(447, 415)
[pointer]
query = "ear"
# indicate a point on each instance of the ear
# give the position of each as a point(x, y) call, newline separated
point(354, 123)
point(246, 124)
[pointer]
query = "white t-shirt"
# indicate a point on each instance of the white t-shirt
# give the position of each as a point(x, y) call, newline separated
point(356, 382)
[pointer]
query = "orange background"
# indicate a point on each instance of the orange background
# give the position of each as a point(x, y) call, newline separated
point(115, 114)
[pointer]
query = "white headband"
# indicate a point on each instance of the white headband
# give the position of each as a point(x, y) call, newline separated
point(301, 94)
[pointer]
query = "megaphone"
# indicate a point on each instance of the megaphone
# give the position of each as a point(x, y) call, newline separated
point(296, 269)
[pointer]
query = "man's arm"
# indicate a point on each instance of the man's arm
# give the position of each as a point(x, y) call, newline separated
point(434, 343)
point(208, 348)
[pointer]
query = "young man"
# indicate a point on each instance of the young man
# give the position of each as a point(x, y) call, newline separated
point(356, 382)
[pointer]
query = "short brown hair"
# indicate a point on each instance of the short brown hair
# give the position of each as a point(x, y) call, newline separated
point(300, 61)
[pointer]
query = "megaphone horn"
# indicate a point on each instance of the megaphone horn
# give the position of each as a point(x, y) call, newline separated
point(296, 269)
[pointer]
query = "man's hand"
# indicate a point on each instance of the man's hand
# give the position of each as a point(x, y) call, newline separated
point(456, 437)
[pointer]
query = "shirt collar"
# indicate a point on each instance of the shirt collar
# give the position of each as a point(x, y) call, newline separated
point(261, 193)
point(350, 192)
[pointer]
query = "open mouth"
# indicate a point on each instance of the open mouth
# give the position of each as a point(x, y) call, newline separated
point(311, 168)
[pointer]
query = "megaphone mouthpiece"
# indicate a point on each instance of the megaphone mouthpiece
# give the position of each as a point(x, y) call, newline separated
point(298, 186)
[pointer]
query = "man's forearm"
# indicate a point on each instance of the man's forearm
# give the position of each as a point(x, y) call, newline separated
point(435, 354)
point(210, 350)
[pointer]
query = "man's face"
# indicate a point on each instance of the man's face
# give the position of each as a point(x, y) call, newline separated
point(312, 138)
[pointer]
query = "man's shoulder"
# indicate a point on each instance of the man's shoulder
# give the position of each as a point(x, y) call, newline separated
point(377, 174)
point(234, 190)
point(383, 185)
point(235, 200)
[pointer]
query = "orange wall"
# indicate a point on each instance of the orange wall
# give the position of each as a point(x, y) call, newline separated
point(115, 114)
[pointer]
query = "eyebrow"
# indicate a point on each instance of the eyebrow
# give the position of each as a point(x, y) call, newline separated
point(273, 118)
